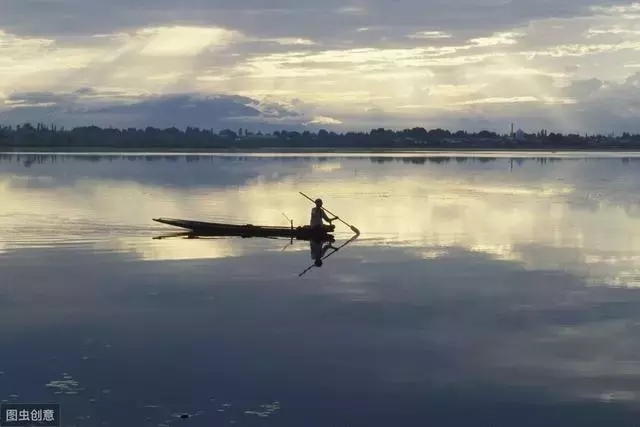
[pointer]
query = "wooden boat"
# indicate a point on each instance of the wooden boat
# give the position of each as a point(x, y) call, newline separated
point(249, 230)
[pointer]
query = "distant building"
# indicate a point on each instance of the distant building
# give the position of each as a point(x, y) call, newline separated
point(520, 135)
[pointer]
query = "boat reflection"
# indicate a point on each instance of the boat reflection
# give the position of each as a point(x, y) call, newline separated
point(318, 251)
point(319, 246)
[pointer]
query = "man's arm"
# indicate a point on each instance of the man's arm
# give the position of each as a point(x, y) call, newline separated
point(326, 218)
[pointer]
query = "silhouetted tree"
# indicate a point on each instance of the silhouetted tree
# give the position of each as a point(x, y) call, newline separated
point(40, 135)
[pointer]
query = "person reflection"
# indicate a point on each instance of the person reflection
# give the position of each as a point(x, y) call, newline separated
point(318, 250)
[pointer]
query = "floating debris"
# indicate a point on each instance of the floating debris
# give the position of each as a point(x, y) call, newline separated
point(185, 415)
point(67, 385)
point(14, 396)
point(106, 391)
point(226, 405)
point(267, 410)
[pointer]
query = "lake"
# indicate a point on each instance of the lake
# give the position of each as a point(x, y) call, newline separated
point(483, 290)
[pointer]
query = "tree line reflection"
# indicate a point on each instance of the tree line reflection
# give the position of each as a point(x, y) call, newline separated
point(30, 159)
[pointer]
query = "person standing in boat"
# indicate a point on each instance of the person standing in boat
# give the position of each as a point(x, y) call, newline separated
point(318, 214)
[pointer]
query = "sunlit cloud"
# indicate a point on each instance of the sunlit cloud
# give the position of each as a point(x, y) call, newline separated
point(518, 99)
point(389, 65)
point(321, 120)
point(36, 62)
point(293, 41)
point(497, 39)
point(179, 41)
point(430, 35)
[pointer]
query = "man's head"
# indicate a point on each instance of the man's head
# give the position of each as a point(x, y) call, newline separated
point(319, 203)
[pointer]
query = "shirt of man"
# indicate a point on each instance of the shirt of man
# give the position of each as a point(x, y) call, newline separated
point(317, 215)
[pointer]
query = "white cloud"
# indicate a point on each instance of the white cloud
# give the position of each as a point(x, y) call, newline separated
point(430, 35)
point(497, 39)
point(365, 64)
point(322, 120)
point(179, 41)
point(37, 62)
point(292, 41)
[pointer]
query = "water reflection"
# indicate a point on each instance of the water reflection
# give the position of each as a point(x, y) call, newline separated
point(580, 210)
point(318, 246)
point(319, 252)
point(476, 293)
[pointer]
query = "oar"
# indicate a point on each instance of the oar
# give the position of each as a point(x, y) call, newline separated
point(340, 247)
point(328, 255)
point(354, 229)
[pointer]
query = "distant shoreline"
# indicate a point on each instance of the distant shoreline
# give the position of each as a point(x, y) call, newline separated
point(310, 150)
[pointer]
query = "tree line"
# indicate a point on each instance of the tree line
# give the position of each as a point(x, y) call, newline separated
point(86, 137)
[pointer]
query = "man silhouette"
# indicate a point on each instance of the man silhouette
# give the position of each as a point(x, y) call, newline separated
point(318, 214)
point(318, 250)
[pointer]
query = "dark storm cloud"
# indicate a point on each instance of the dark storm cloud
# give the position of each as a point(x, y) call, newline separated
point(179, 110)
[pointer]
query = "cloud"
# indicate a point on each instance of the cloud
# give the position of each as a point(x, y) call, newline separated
point(87, 106)
point(430, 35)
point(582, 89)
point(179, 41)
point(421, 63)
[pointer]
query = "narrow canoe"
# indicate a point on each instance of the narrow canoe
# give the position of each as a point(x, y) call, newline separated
point(248, 230)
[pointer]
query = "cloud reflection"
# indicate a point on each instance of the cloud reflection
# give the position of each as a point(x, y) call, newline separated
point(468, 275)
point(579, 211)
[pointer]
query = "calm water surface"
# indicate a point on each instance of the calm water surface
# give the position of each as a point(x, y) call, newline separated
point(482, 291)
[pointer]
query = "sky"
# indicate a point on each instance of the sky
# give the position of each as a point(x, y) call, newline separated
point(570, 66)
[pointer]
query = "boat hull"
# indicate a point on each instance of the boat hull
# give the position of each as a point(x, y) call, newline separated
point(248, 230)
